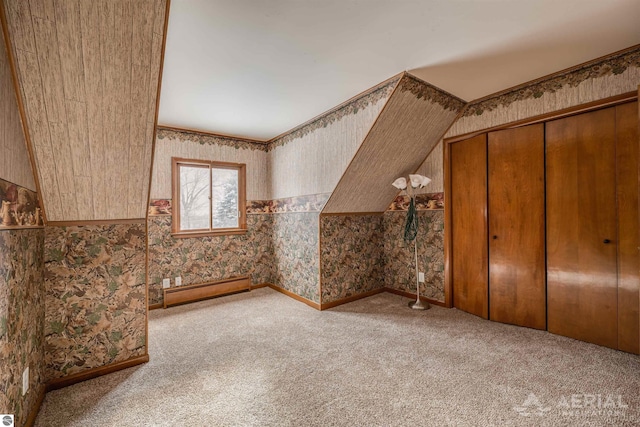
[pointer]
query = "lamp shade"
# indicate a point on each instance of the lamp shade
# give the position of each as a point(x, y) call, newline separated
point(400, 183)
point(419, 181)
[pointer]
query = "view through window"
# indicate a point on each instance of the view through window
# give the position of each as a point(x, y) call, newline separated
point(210, 196)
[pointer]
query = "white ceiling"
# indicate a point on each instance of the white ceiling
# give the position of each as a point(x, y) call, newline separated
point(257, 68)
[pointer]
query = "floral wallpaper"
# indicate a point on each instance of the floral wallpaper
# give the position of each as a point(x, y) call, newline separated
point(352, 256)
point(203, 259)
point(612, 65)
point(424, 90)
point(95, 296)
point(22, 306)
point(295, 246)
point(18, 206)
point(310, 203)
point(370, 97)
point(210, 139)
point(423, 201)
point(399, 256)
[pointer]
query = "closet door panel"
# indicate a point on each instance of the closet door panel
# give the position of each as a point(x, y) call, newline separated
point(628, 237)
point(581, 227)
point(469, 225)
point(517, 293)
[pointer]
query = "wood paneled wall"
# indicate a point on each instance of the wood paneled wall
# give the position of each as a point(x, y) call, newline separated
point(433, 167)
point(88, 73)
point(313, 163)
point(178, 146)
point(404, 133)
point(14, 159)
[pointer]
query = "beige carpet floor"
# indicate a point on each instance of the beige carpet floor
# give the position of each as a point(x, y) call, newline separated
point(263, 359)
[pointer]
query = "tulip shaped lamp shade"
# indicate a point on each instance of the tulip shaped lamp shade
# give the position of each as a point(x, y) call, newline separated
point(411, 226)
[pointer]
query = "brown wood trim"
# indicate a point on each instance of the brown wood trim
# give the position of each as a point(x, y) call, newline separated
point(188, 234)
point(259, 286)
point(33, 414)
point(214, 134)
point(351, 213)
point(155, 306)
point(565, 112)
point(448, 253)
point(342, 105)
point(555, 74)
point(384, 108)
point(413, 296)
point(58, 383)
point(21, 110)
point(20, 227)
point(352, 298)
point(176, 162)
point(96, 222)
point(201, 291)
point(294, 296)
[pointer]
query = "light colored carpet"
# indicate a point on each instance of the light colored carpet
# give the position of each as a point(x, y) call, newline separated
point(263, 359)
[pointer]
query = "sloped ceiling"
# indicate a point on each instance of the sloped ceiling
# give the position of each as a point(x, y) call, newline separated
point(15, 166)
point(88, 73)
point(259, 68)
point(412, 122)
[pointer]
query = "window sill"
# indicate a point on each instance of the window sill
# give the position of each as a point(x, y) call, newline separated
point(187, 234)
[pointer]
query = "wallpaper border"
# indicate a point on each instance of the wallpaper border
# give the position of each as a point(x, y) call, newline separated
point(423, 90)
point(19, 207)
point(613, 64)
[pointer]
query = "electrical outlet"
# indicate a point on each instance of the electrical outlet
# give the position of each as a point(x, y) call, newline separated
point(178, 281)
point(421, 277)
point(166, 283)
point(25, 381)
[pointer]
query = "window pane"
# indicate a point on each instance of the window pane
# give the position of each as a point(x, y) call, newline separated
point(225, 198)
point(194, 198)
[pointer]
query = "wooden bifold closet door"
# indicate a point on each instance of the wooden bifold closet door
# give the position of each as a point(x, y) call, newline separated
point(517, 293)
point(581, 227)
point(469, 225)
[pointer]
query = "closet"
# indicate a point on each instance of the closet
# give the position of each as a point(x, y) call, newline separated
point(544, 226)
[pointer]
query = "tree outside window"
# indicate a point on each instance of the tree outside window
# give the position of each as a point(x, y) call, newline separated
point(210, 195)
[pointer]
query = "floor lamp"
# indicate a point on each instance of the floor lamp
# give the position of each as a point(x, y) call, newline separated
point(411, 227)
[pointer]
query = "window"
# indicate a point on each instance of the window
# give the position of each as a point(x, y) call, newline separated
point(208, 198)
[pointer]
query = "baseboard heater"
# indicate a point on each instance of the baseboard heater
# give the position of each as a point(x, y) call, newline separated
point(192, 293)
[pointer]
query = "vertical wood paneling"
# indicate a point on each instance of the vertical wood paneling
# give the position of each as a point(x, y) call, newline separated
point(433, 167)
point(256, 161)
point(314, 163)
point(401, 137)
point(88, 71)
point(14, 159)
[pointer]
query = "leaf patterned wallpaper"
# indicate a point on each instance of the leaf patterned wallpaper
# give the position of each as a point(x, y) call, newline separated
point(22, 311)
point(204, 259)
point(352, 260)
point(95, 296)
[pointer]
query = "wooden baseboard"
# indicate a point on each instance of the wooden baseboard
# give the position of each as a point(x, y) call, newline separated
point(324, 306)
point(201, 291)
point(261, 285)
point(33, 414)
point(294, 296)
point(95, 372)
point(156, 306)
point(413, 296)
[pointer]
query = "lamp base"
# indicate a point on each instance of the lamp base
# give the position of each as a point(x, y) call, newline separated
point(419, 305)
